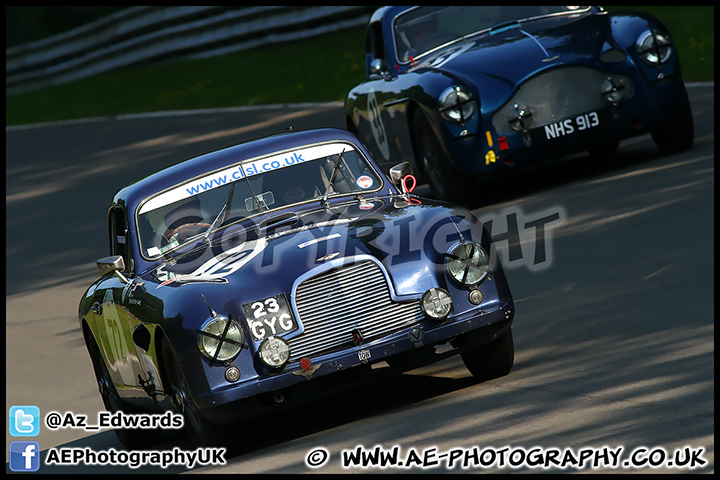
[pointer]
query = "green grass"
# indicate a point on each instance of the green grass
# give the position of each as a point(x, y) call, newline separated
point(315, 70)
point(318, 69)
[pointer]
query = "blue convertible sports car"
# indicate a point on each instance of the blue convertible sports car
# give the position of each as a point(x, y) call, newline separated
point(244, 276)
point(470, 93)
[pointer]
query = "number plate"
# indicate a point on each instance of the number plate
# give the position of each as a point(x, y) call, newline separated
point(572, 125)
point(268, 317)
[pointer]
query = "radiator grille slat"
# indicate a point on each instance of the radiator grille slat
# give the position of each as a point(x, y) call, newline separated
point(334, 303)
point(557, 94)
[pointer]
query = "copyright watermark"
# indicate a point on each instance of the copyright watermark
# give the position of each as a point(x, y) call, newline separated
point(507, 457)
point(524, 240)
point(520, 239)
point(317, 458)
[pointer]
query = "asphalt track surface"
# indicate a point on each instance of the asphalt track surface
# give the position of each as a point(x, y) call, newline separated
point(614, 331)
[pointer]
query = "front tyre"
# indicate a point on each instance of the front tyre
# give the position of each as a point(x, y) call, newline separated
point(445, 182)
point(678, 134)
point(202, 432)
point(492, 360)
point(131, 438)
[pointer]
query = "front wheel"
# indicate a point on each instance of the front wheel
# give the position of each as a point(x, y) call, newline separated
point(678, 134)
point(202, 432)
point(131, 438)
point(492, 360)
point(446, 183)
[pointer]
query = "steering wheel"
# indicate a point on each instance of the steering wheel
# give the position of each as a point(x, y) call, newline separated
point(175, 233)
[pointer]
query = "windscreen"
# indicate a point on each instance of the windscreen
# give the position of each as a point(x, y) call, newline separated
point(423, 29)
point(196, 208)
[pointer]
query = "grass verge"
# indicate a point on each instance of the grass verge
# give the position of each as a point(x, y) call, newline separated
point(318, 69)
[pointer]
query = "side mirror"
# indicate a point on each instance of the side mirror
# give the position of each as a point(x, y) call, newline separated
point(400, 171)
point(109, 265)
point(379, 67)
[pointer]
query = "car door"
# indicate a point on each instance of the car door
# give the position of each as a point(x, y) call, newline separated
point(114, 321)
point(112, 327)
point(379, 109)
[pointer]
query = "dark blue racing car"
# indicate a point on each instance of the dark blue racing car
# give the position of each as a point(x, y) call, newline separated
point(246, 276)
point(470, 93)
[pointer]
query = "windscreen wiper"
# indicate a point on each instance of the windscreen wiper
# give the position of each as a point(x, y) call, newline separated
point(332, 177)
point(224, 212)
point(255, 197)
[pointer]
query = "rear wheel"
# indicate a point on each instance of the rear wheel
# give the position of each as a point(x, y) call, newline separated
point(202, 432)
point(131, 438)
point(492, 360)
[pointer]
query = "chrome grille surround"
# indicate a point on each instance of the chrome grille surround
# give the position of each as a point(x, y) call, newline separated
point(333, 303)
point(557, 94)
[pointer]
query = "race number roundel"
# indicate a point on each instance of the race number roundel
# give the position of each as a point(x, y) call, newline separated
point(376, 125)
point(364, 182)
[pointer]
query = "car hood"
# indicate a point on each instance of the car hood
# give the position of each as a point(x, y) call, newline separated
point(498, 63)
point(408, 239)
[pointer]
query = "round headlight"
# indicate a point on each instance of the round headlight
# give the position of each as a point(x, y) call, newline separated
point(654, 47)
point(274, 352)
point(436, 303)
point(223, 334)
point(456, 105)
point(468, 263)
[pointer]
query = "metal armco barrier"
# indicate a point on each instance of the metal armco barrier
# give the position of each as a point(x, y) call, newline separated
point(152, 34)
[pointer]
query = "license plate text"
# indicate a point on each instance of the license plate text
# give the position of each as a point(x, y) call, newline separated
point(271, 316)
point(571, 125)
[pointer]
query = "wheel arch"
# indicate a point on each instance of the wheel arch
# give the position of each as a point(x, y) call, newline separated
point(414, 111)
point(159, 340)
point(90, 336)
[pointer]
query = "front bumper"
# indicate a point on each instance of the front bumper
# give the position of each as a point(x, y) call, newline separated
point(413, 346)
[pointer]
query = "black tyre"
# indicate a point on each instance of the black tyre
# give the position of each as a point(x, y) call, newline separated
point(201, 431)
point(131, 438)
point(492, 360)
point(446, 183)
point(678, 134)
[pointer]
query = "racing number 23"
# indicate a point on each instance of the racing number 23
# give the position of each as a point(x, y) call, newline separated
point(271, 304)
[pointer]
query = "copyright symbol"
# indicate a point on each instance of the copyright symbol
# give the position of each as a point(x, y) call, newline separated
point(317, 458)
point(53, 420)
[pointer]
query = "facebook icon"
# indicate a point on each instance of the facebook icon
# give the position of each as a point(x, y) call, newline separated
point(24, 456)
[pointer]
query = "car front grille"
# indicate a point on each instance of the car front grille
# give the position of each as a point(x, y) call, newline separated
point(557, 94)
point(333, 304)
